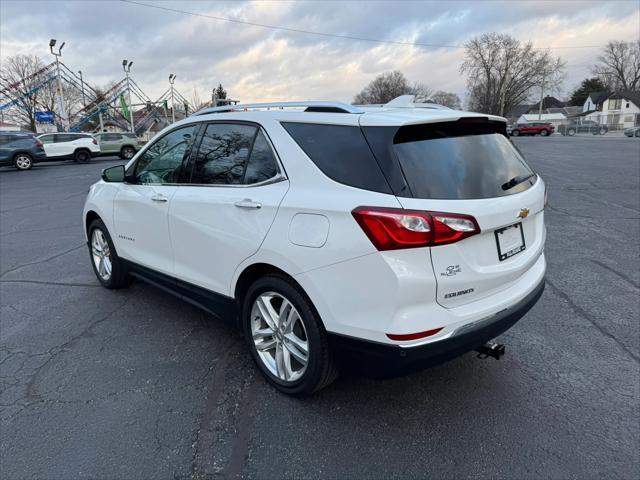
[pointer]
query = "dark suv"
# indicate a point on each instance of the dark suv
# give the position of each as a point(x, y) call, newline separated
point(20, 149)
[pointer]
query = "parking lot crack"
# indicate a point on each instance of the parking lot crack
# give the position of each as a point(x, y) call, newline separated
point(583, 313)
point(43, 260)
point(41, 282)
point(624, 277)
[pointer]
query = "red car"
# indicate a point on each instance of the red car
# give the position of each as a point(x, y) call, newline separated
point(538, 128)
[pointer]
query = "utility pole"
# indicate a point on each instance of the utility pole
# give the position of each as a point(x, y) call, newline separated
point(126, 66)
point(84, 101)
point(60, 100)
point(172, 78)
point(541, 99)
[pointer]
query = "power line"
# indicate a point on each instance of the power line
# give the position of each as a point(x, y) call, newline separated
point(323, 34)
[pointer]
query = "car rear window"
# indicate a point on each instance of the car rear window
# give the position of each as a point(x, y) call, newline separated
point(341, 152)
point(454, 160)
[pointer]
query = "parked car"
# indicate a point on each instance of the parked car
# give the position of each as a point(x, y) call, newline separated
point(389, 239)
point(586, 126)
point(20, 150)
point(537, 128)
point(123, 144)
point(79, 147)
point(632, 132)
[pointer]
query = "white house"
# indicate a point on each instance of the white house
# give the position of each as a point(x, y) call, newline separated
point(621, 109)
point(594, 101)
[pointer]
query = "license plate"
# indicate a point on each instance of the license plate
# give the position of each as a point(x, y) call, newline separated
point(510, 241)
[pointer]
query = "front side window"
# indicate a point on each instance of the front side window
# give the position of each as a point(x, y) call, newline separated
point(223, 154)
point(162, 161)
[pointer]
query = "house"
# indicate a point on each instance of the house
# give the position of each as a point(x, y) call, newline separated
point(594, 101)
point(621, 110)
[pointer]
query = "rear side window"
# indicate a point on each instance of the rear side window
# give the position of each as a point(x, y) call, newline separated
point(262, 164)
point(341, 153)
point(450, 161)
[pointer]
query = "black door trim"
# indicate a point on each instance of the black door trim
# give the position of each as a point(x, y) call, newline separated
point(221, 306)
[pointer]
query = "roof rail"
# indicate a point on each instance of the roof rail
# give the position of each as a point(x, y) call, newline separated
point(313, 106)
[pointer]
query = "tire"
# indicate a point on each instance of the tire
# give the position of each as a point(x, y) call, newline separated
point(278, 294)
point(637, 133)
point(23, 161)
point(602, 131)
point(111, 273)
point(544, 133)
point(82, 156)
point(571, 132)
point(127, 152)
point(515, 133)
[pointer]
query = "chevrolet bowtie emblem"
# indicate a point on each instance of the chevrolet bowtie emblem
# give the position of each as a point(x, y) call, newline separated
point(524, 213)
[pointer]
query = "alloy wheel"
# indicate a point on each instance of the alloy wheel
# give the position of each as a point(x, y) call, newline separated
point(23, 162)
point(279, 336)
point(101, 254)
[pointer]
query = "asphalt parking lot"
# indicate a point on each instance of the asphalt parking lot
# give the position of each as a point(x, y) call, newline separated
point(137, 384)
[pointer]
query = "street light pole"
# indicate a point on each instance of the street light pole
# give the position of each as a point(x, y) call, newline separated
point(61, 110)
point(84, 102)
point(126, 66)
point(172, 78)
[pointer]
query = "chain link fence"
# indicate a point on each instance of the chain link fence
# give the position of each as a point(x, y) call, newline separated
point(600, 124)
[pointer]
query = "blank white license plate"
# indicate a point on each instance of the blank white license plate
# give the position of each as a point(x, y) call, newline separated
point(510, 241)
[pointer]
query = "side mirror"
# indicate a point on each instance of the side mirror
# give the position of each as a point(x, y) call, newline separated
point(113, 174)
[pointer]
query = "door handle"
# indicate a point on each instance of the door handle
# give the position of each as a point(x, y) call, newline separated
point(248, 203)
point(159, 198)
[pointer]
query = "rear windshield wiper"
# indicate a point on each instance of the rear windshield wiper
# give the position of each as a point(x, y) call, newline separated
point(517, 180)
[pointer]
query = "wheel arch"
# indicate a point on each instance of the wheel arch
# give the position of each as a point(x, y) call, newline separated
point(253, 272)
point(89, 219)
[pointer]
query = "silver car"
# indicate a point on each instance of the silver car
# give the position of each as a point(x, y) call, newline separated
point(123, 144)
point(632, 132)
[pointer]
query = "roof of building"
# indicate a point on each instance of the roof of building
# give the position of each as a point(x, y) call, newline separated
point(547, 102)
point(517, 110)
point(598, 97)
point(633, 96)
point(532, 117)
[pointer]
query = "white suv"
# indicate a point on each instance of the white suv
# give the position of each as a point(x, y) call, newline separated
point(389, 238)
point(79, 147)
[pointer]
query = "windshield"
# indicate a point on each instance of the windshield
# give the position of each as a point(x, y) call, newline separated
point(461, 167)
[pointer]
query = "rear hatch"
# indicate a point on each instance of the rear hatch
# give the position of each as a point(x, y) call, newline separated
point(474, 171)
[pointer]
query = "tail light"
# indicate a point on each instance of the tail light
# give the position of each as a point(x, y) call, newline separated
point(95, 142)
point(396, 228)
point(39, 143)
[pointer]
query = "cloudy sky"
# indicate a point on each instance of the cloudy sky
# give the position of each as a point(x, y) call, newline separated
point(262, 64)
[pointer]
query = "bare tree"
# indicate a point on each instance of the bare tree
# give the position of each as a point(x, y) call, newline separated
point(619, 66)
point(448, 99)
point(502, 72)
point(387, 86)
point(21, 78)
point(421, 92)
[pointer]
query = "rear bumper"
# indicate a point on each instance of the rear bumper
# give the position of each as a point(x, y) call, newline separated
point(378, 359)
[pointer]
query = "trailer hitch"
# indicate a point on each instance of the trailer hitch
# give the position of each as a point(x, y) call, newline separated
point(490, 349)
